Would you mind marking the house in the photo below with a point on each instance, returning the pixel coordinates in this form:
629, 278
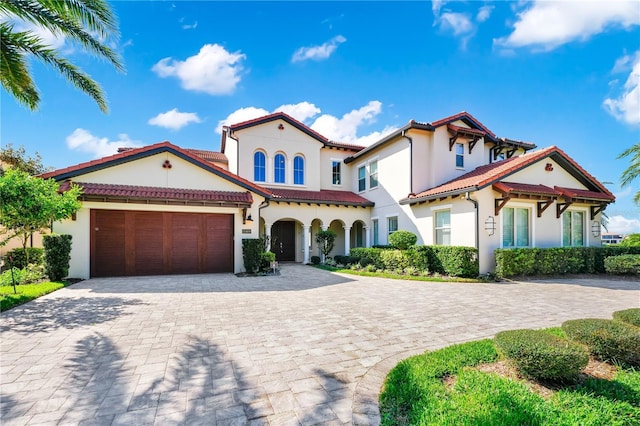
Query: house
164, 209
612, 238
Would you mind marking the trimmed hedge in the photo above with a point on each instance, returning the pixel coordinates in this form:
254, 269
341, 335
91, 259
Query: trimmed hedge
402, 240
541, 355
630, 316
448, 260
315, 260
607, 340
623, 264
19, 260
57, 255
558, 260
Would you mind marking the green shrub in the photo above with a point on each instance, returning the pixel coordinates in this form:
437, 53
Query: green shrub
630, 316
623, 264
371, 253
541, 355
402, 240
339, 259
19, 260
365, 261
394, 260
31, 274
252, 248
315, 260
57, 255
607, 340
266, 258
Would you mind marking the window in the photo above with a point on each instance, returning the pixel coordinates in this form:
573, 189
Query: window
443, 227
515, 227
573, 228
376, 239
392, 224
335, 170
278, 169
459, 155
298, 170
373, 174
259, 167
362, 179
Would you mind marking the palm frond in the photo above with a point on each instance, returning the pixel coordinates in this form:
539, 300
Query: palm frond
14, 70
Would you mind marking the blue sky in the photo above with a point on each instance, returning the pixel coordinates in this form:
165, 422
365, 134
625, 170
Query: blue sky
553, 73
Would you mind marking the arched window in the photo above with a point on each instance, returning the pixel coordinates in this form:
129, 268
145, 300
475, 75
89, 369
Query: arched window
298, 170
259, 167
279, 168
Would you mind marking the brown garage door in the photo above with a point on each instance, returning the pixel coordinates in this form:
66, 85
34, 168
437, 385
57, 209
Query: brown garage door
155, 243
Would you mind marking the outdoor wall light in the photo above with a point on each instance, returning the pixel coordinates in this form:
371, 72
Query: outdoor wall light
595, 228
490, 225
246, 219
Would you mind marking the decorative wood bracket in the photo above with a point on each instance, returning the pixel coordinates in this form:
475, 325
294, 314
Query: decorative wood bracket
543, 205
452, 141
497, 151
499, 203
511, 151
561, 208
473, 143
596, 209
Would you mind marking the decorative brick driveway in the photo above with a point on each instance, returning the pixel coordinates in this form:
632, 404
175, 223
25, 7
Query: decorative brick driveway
306, 347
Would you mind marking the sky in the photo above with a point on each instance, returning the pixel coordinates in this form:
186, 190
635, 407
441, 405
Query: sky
552, 73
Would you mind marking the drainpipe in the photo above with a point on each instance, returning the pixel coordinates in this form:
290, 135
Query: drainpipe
410, 160
262, 205
475, 204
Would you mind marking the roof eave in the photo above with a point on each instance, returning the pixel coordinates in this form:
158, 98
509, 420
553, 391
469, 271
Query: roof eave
418, 200
327, 202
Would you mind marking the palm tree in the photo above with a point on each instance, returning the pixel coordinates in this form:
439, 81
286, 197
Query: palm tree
633, 171
88, 23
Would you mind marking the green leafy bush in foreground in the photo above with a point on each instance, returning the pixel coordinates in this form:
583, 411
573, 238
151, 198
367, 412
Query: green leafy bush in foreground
542, 356
402, 240
607, 340
624, 264
630, 316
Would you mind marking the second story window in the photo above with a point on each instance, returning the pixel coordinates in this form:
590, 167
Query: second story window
259, 167
298, 170
362, 179
459, 155
335, 171
392, 224
373, 174
279, 168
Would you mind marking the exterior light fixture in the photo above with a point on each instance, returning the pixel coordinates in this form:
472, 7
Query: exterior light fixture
246, 219
490, 225
595, 228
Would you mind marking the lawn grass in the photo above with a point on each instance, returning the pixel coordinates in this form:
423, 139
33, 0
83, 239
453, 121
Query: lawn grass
441, 388
430, 278
26, 292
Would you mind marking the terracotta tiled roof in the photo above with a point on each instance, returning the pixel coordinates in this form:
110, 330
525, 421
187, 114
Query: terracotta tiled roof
165, 194
133, 154
348, 146
214, 156
467, 118
524, 188
584, 194
491, 173
324, 196
461, 129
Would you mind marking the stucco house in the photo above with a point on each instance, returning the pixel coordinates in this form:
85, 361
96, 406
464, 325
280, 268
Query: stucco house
164, 209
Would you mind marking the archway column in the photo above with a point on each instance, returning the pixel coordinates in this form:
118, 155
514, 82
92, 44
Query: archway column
305, 242
267, 233
367, 236
347, 240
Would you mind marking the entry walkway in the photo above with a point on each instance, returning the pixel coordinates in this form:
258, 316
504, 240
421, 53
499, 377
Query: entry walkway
306, 347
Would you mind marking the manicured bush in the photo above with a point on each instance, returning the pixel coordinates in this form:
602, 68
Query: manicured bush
19, 259
339, 259
629, 316
402, 240
541, 355
315, 260
554, 261
252, 249
371, 253
365, 261
57, 255
624, 264
394, 260
607, 340
266, 258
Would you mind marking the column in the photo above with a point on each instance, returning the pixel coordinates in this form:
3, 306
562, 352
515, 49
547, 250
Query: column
367, 236
324, 227
267, 233
305, 242
347, 240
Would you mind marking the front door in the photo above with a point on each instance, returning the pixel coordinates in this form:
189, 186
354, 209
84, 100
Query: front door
283, 240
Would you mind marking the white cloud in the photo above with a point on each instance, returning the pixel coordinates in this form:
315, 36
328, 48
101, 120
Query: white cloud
457, 23
301, 111
83, 140
240, 115
190, 26
548, 24
484, 13
622, 225
213, 70
436, 5
318, 53
174, 119
626, 107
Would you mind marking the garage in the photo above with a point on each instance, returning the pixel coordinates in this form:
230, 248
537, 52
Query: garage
125, 242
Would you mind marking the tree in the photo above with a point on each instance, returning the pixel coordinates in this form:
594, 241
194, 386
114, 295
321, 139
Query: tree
88, 23
29, 204
325, 240
632, 172
632, 240
17, 158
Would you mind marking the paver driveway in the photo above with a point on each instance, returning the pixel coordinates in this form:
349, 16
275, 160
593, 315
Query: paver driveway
306, 347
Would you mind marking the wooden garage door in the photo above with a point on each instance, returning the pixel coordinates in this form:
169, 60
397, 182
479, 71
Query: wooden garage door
154, 243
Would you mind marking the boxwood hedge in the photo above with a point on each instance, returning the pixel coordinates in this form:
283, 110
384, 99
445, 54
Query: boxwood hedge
630, 316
